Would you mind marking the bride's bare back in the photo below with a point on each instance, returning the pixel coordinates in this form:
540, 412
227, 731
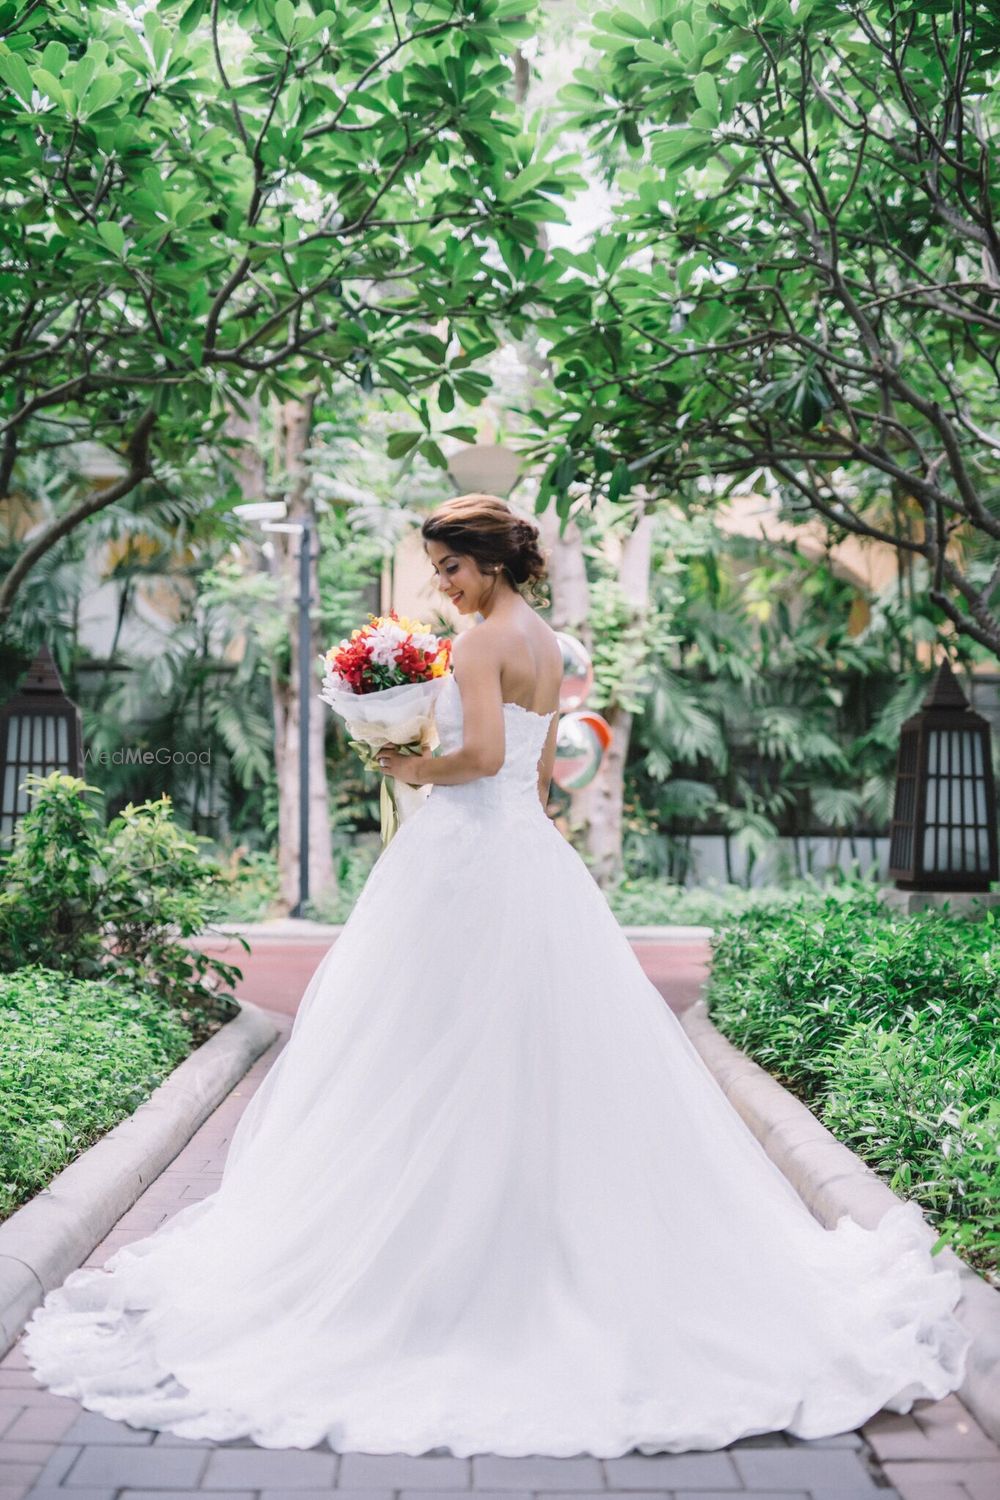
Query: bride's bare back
530, 659
515, 641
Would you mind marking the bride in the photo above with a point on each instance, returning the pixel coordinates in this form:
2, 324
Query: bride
489, 1199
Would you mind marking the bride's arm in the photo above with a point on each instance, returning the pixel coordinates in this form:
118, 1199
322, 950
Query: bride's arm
476, 665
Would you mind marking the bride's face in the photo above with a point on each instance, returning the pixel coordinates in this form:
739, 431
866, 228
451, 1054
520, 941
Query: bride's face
459, 576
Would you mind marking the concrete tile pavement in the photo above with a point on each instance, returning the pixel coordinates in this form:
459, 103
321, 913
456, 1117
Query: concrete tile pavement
52, 1449
937, 1452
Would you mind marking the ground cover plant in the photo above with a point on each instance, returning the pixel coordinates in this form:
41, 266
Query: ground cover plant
76, 1057
101, 995
888, 1028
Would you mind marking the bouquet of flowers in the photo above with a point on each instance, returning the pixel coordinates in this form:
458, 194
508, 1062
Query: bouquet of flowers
383, 683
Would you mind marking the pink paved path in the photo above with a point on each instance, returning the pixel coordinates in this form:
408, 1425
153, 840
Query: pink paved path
51, 1449
277, 971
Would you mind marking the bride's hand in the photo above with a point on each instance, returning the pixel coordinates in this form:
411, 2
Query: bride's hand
405, 767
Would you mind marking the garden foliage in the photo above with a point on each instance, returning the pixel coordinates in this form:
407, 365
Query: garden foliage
76, 1057
888, 1028
207, 204
116, 902
800, 277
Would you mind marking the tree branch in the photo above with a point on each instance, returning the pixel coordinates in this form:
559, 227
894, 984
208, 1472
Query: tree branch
137, 454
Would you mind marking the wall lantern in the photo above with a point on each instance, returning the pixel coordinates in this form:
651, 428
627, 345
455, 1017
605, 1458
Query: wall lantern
40, 731
943, 835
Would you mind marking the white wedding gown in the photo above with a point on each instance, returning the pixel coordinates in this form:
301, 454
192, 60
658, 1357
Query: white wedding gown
489, 1199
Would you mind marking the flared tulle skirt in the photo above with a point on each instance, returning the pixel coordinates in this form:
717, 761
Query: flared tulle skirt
489, 1199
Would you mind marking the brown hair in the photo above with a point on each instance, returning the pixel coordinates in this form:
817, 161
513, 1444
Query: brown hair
485, 528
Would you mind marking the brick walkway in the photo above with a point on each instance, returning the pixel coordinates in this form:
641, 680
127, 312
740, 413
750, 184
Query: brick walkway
51, 1449
277, 971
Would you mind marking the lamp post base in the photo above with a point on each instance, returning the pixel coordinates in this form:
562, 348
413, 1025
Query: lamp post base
969, 904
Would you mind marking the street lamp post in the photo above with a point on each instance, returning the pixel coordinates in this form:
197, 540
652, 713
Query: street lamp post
267, 513
305, 684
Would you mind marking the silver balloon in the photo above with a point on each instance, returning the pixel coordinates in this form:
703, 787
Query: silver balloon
578, 672
580, 745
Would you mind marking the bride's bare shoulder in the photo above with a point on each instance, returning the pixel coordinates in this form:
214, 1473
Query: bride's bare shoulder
477, 644
545, 637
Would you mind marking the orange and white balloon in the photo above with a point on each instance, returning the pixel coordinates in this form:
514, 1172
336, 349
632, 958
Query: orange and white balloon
578, 672
581, 740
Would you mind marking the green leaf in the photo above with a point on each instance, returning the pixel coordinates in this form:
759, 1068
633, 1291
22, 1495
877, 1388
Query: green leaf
433, 454
190, 18
674, 147
113, 236
620, 482
105, 87
46, 84
55, 57
657, 54
284, 14
564, 469
684, 40
707, 94
578, 93
525, 181
15, 75
399, 444
446, 396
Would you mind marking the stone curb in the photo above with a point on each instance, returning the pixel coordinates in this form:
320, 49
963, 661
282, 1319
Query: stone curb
832, 1180
299, 929
667, 934
55, 1232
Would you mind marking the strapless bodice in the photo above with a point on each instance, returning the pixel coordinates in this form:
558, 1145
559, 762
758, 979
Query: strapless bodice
516, 782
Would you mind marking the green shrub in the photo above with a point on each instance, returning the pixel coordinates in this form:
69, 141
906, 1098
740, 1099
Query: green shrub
249, 887
52, 881
789, 980
92, 901
888, 1027
76, 1057
650, 901
921, 1103
352, 865
158, 890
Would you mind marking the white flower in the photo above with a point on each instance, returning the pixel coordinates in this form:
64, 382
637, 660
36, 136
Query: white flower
384, 643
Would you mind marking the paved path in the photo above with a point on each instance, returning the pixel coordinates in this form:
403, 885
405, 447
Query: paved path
51, 1449
277, 971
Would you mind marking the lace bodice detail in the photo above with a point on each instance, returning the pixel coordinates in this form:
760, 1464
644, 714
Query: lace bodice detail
516, 782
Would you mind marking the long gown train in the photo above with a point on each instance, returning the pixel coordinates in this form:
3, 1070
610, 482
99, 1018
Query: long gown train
489, 1199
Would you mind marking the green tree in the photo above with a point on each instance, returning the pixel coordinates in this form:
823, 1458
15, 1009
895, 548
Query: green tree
803, 277
207, 203
772, 709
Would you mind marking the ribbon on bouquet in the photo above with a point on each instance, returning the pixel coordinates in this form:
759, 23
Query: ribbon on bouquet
388, 800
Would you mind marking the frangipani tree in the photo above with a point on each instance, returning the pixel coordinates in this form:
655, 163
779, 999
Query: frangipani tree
205, 203
802, 284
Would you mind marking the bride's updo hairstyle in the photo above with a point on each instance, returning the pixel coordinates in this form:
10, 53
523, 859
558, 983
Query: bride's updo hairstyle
485, 528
